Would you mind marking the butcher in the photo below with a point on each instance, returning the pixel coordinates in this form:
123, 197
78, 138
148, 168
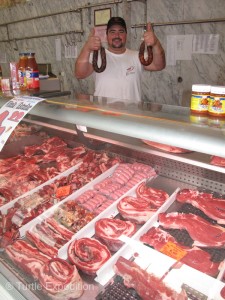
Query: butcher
117, 73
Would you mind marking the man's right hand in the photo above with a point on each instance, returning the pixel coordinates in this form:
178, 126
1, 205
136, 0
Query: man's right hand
94, 41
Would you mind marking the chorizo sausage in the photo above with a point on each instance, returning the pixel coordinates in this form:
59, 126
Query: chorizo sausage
95, 60
142, 59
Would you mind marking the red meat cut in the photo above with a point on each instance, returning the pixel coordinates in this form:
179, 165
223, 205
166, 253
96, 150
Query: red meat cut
88, 254
195, 257
60, 280
134, 209
213, 207
148, 286
201, 231
109, 230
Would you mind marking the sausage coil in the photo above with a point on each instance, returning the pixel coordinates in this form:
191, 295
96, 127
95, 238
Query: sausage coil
142, 59
95, 60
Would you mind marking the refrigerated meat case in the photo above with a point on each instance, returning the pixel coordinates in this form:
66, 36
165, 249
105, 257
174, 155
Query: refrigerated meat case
105, 124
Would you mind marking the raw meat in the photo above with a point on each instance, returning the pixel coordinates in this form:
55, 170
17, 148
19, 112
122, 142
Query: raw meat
137, 210
217, 161
154, 196
201, 231
195, 257
212, 207
60, 280
88, 254
166, 148
109, 230
27, 257
148, 286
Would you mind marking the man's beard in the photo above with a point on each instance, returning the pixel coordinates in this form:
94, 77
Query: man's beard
121, 45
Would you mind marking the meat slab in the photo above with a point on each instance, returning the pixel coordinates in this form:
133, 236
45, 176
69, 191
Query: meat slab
109, 230
148, 286
213, 207
88, 254
201, 231
60, 280
195, 257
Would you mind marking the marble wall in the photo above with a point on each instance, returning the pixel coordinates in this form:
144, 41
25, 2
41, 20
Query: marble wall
172, 85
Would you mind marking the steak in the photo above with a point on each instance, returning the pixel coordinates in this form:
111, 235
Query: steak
201, 231
195, 257
214, 208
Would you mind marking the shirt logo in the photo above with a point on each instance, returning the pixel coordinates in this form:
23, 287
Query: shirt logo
130, 70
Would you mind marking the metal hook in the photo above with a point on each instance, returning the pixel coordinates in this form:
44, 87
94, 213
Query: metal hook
135, 33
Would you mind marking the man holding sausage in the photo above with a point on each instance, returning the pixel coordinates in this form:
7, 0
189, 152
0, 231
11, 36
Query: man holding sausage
121, 78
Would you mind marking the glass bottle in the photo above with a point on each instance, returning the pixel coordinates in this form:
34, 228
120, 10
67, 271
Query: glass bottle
32, 72
22, 65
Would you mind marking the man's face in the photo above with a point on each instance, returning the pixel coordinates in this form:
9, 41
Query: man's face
116, 37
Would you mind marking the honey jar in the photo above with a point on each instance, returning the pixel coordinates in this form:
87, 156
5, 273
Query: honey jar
217, 101
200, 98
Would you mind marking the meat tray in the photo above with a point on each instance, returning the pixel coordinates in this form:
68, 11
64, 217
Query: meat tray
4, 208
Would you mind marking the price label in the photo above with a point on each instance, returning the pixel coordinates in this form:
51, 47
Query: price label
12, 113
173, 251
63, 191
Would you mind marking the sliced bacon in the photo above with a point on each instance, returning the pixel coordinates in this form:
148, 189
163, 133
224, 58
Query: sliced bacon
60, 280
148, 286
109, 230
195, 257
201, 231
88, 254
135, 209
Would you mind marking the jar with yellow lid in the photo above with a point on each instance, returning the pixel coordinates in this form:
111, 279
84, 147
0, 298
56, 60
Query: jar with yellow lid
200, 98
217, 101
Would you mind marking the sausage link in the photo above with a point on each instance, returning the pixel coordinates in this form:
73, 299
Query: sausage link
141, 54
95, 60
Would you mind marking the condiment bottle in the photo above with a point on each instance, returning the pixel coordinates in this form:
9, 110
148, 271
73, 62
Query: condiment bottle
32, 72
22, 65
200, 98
217, 101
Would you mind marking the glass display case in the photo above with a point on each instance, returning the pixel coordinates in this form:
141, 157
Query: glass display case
134, 133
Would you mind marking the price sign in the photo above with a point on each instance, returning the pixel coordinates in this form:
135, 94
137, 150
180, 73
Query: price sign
173, 251
12, 113
63, 191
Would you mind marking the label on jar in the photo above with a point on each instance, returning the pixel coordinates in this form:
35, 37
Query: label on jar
199, 102
32, 78
22, 78
217, 105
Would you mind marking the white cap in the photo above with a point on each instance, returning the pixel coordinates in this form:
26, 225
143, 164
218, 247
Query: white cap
217, 89
202, 88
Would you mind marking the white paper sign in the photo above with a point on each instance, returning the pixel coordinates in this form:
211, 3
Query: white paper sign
205, 43
179, 47
12, 113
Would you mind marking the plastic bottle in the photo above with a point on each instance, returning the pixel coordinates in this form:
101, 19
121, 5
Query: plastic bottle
200, 98
217, 101
32, 72
22, 71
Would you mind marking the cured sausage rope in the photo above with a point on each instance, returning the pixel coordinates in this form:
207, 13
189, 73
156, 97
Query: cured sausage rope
148, 61
95, 60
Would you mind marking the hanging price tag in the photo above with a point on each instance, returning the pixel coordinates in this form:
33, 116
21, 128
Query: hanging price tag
12, 113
